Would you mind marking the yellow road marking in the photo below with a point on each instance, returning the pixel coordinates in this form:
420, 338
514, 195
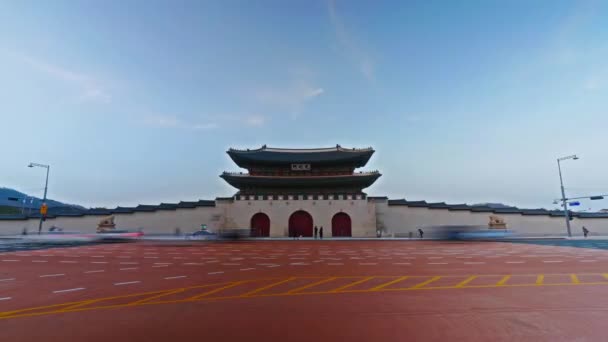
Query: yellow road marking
236, 283
342, 288
312, 285
540, 279
574, 279
504, 280
466, 281
417, 286
267, 287
381, 286
166, 293
84, 305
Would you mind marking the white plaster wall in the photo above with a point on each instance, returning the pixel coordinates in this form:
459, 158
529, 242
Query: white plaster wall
158, 222
400, 220
361, 212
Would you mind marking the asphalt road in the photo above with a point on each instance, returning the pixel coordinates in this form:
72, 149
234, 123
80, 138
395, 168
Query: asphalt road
305, 290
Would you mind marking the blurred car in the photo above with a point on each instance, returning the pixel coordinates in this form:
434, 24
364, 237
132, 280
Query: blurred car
201, 235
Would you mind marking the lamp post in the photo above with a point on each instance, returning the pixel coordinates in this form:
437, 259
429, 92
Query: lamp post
46, 186
561, 181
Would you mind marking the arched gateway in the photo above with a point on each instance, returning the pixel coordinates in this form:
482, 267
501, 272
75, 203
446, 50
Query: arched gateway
341, 225
322, 177
300, 224
260, 225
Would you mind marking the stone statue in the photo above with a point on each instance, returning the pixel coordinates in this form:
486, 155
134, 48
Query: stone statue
497, 222
106, 224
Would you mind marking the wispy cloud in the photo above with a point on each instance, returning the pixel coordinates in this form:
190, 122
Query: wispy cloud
90, 88
292, 96
255, 120
347, 42
171, 121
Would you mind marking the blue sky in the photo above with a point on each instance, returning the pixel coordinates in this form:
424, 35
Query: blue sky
465, 101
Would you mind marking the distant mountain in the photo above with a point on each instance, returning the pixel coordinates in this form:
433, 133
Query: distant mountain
13, 198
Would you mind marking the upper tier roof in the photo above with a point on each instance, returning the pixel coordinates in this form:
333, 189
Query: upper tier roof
318, 156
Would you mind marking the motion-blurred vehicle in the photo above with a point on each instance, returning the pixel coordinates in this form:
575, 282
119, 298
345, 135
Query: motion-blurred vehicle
201, 235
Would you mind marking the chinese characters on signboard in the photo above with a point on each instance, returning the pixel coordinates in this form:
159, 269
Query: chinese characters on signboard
300, 167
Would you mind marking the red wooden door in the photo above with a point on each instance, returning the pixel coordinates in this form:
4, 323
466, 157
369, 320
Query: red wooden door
300, 224
341, 225
260, 225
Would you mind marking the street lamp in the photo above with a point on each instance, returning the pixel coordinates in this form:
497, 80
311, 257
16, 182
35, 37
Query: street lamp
46, 185
573, 157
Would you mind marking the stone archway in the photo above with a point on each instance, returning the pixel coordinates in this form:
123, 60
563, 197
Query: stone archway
300, 224
260, 225
341, 225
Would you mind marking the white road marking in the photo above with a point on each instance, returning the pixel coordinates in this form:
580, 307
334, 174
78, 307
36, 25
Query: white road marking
69, 290
127, 283
40, 261
160, 266
464, 257
68, 262
216, 272
437, 263
7, 279
98, 256
99, 262
94, 271
474, 262
9, 260
587, 261
5, 298
552, 261
163, 263
176, 277
401, 263
128, 268
52, 275
299, 263
194, 263
247, 269
150, 257
129, 263
231, 264
334, 263
515, 262
367, 263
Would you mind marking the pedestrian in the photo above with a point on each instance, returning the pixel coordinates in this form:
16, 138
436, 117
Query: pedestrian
316, 232
420, 232
585, 231
321, 233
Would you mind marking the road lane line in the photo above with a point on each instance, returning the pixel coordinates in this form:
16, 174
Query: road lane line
10, 260
40, 261
540, 279
70, 290
574, 279
218, 272
381, 286
515, 262
127, 283
424, 283
7, 279
260, 289
216, 290
367, 263
361, 281
504, 280
52, 275
323, 281
5, 298
247, 269
94, 271
438, 263
474, 262
175, 277
99, 262
466, 281
551, 261
160, 266
128, 268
